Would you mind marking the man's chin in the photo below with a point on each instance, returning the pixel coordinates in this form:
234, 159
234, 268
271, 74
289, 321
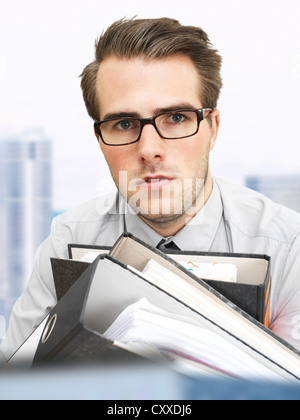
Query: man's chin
161, 220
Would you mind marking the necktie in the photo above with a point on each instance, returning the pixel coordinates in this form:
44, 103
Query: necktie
165, 246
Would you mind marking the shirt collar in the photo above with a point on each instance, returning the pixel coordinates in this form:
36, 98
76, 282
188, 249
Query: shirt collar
197, 235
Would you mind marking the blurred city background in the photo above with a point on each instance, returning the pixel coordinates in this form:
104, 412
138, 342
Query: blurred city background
49, 158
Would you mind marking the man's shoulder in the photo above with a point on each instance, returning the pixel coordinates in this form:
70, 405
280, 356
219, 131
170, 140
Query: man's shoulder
256, 215
102, 208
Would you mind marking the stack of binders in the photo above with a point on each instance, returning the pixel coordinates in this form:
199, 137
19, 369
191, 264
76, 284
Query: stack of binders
93, 295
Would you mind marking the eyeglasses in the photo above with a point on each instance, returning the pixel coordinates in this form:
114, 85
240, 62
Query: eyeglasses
169, 125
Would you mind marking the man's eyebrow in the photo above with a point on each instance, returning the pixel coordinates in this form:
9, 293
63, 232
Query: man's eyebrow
174, 108
116, 115
157, 111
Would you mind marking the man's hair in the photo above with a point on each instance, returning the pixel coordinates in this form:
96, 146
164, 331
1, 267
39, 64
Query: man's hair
155, 39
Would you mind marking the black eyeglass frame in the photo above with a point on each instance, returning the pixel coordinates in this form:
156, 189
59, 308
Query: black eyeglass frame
151, 121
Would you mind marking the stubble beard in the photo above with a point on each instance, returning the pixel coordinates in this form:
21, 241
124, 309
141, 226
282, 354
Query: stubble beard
168, 207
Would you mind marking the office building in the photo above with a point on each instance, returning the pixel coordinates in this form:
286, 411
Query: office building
25, 209
283, 189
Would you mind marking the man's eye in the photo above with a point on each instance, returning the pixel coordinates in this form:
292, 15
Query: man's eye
124, 125
177, 118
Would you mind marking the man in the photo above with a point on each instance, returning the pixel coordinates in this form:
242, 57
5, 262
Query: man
152, 92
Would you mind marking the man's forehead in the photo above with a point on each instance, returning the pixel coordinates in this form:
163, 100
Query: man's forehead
123, 85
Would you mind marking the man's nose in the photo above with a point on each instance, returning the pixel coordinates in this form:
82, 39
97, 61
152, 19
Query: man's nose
151, 145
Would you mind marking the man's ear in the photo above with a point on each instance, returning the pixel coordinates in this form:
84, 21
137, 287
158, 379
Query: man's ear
215, 121
97, 137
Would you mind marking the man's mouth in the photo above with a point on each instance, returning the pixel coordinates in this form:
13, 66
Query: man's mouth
154, 182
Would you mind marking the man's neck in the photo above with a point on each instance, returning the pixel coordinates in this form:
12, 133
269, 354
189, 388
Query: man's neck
173, 226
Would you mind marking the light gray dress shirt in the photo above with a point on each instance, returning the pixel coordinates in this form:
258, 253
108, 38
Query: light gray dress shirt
234, 219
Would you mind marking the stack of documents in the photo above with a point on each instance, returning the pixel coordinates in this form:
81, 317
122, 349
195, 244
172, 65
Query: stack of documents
137, 301
147, 330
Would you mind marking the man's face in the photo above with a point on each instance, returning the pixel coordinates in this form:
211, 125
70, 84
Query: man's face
161, 179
